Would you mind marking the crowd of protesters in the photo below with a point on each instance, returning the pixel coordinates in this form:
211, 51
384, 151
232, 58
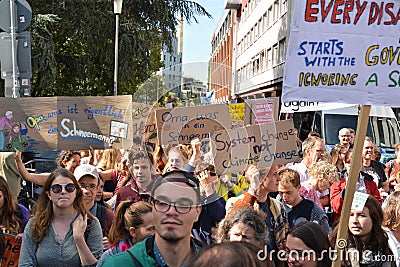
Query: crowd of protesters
169, 207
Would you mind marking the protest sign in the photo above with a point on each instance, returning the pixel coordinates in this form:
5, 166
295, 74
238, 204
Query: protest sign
236, 111
262, 145
53, 123
181, 125
11, 254
261, 110
344, 51
144, 122
305, 106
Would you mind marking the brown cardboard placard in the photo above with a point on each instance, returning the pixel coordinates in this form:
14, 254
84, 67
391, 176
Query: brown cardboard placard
181, 125
52, 123
263, 145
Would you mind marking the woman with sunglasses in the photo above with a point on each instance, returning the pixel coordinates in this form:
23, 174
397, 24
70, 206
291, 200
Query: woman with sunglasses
132, 223
61, 232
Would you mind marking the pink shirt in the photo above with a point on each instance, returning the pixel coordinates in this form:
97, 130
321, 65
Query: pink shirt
309, 192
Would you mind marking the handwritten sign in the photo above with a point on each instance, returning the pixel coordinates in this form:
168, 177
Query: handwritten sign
144, 122
51, 123
181, 125
263, 145
11, 254
262, 110
344, 51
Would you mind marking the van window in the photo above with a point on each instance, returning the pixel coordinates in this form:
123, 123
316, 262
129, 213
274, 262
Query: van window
317, 123
385, 132
334, 122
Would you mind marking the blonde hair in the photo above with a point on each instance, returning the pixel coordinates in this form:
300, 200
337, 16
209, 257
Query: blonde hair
109, 159
323, 170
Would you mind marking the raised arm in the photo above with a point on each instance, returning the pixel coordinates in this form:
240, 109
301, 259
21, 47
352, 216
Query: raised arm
39, 179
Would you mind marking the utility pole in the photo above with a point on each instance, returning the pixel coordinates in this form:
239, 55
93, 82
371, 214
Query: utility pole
15, 45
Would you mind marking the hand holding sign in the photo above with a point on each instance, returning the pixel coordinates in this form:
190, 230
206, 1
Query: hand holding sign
253, 176
207, 179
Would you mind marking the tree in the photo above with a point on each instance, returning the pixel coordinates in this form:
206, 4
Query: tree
73, 43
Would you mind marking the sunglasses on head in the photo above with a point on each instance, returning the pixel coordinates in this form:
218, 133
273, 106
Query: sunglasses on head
57, 188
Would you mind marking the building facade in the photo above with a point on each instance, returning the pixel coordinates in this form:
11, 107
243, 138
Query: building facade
260, 30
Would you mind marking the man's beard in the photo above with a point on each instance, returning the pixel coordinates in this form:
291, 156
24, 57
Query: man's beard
170, 237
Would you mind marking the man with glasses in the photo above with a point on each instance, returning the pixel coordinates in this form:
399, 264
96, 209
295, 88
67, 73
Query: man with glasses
176, 206
88, 178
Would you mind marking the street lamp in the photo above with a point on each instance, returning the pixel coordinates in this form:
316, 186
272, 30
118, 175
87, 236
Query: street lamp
117, 12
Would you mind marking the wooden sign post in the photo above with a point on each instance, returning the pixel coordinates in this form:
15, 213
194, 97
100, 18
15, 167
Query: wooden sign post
352, 181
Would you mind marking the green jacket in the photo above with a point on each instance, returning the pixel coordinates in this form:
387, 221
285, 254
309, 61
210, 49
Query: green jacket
143, 252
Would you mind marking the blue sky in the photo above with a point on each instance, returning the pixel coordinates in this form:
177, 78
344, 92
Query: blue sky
197, 37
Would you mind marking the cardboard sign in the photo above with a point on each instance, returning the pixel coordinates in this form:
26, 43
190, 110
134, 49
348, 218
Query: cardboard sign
13, 249
181, 125
144, 122
264, 145
262, 110
347, 53
54, 123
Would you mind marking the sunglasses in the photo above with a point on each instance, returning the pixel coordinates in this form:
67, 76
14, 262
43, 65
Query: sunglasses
57, 188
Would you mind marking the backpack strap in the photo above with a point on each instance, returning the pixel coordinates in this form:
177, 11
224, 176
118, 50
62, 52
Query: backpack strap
101, 216
135, 261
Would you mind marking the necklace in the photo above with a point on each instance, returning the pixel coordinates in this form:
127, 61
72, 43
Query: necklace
59, 237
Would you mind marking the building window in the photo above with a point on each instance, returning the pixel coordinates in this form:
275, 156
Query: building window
270, 17
275, 55
269, 59
276, 10
282, 50
284, 4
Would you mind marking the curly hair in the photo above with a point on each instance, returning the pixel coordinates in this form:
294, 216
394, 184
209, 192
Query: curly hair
43, 209
248, 216
128, 214
391, 218
66, 156
8, 219
323, 170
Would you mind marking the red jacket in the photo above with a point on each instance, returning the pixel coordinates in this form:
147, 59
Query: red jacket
337, 199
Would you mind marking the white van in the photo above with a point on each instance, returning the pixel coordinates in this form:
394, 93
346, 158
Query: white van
383, 126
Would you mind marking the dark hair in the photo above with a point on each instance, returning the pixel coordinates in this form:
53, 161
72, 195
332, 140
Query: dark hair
9, 220
2, 245
66, 155
188, 179
378, 240
139, 154
314, 237
128, 214
228, 254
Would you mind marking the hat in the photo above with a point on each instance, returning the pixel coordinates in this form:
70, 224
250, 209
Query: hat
8, 113
86, 169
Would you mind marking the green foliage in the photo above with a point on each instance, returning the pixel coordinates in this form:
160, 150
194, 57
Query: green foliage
73, 43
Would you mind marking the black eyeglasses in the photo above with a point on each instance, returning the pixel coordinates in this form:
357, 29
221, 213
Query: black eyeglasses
57, 188
182, 206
